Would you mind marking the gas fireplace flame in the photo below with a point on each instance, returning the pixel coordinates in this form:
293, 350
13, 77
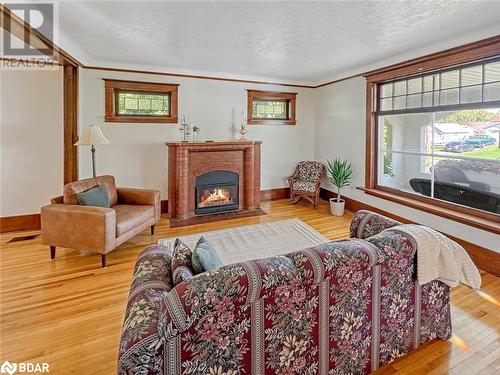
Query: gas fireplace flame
218, 195
215, 197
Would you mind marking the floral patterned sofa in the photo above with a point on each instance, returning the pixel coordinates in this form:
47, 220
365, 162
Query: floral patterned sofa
337, 308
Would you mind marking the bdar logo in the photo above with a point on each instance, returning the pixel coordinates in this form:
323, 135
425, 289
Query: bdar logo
8, 368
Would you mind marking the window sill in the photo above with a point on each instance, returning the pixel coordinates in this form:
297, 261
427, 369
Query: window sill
140, 119
271, 122
492, 225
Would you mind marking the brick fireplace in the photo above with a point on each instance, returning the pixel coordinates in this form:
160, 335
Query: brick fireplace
210, 181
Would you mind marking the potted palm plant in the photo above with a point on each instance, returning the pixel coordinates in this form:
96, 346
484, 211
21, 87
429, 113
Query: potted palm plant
339, 174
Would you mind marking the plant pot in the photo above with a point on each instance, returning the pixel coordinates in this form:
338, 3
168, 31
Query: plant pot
337, 207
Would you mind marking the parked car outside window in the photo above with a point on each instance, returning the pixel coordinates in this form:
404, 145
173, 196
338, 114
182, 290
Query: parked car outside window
480, 141
457, 146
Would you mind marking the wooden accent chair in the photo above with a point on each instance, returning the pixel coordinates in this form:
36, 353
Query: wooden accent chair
306, 180
65, 223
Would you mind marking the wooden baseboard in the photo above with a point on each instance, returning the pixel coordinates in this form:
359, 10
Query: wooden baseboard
485, 259
273, 194
32, 221
20, 222
164, 206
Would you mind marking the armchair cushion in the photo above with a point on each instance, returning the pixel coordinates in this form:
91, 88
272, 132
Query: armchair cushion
310, 170
129, 217
70, 190
97, 196
304, 186
135, 196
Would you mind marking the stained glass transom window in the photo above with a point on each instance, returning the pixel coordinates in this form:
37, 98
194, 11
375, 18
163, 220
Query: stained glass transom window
130, 103
273, 109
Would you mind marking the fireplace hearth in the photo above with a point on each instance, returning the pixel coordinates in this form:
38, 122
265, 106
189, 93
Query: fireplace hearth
216, 191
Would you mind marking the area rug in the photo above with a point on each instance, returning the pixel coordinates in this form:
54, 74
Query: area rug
256, 241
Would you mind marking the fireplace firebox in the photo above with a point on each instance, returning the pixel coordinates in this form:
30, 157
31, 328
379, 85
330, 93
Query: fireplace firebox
216, 191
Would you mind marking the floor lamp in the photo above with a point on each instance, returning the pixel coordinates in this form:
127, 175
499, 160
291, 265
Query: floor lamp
92, 135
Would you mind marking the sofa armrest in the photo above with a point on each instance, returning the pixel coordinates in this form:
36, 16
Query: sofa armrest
365, 224
79, 227
146, 322
141, 196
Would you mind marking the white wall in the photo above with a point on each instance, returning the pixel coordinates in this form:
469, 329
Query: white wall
137, 155
331, 122
31, 140
340, 132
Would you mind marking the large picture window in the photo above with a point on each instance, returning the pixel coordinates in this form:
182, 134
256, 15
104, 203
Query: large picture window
434, 140
438, 135
452, 156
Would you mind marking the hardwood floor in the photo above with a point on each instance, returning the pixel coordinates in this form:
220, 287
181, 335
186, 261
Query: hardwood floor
68, 312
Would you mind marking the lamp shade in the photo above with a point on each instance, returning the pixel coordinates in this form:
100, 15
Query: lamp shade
92, 135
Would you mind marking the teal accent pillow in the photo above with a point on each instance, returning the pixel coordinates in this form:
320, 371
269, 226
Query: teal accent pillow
204, 257
97, 196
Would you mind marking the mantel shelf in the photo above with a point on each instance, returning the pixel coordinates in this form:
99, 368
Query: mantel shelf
212, 143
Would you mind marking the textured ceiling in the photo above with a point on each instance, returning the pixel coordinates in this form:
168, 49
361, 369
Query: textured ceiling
288, 41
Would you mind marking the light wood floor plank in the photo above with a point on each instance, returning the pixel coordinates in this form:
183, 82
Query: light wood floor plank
69, 311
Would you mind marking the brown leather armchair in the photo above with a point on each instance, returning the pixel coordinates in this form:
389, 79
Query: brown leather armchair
98, 229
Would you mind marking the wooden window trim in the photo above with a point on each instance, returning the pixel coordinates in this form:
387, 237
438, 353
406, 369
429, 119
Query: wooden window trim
484, 49
453, 213
70, 113
111, 86
270, 95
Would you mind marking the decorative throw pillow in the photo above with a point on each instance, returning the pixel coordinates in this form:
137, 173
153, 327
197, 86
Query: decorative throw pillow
97, 196
205, 257
181, 262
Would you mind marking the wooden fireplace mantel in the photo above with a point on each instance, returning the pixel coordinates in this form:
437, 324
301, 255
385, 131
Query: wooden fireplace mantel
213, 143
187, 160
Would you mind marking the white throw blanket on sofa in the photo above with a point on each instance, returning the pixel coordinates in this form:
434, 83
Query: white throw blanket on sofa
439, 258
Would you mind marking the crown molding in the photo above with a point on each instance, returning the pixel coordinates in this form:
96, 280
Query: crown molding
196, 76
